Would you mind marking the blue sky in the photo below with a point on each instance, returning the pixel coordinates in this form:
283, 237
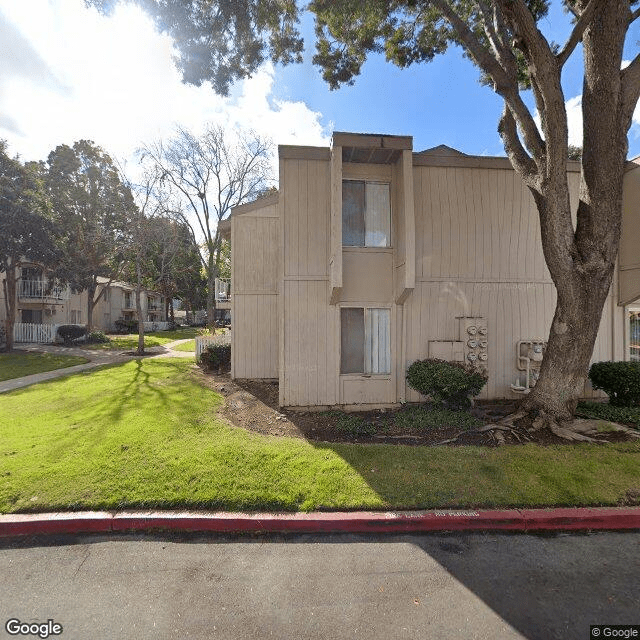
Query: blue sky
68, 73
440, 102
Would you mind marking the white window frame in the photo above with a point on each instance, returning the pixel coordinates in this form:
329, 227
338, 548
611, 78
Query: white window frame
368, 226
368, 347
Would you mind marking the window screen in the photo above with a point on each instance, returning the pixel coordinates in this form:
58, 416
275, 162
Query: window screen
352, 340
377, 218
366, 214
353, 213
365, 341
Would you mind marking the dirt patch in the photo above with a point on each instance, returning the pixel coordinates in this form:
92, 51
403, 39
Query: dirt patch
253, 405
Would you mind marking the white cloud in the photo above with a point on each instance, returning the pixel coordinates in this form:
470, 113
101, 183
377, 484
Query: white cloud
112, 80
574, 120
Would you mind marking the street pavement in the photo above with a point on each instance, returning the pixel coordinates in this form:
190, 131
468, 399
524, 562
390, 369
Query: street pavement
465, 585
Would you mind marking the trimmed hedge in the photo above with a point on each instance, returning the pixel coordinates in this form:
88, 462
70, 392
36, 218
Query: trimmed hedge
452, 384
125, 326
97, 337
619, 380
69, 333
216, 357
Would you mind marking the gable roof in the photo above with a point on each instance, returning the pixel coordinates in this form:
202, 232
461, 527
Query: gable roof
441, 150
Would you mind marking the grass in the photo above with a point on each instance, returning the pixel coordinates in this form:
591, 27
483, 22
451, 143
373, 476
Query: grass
604, 411
186, 346
433, 417
151, 339
151, 438
17, 365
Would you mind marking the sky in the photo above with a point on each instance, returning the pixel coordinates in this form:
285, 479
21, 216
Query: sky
68, 73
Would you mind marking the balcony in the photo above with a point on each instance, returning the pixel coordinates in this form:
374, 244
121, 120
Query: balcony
42, 291
223, 293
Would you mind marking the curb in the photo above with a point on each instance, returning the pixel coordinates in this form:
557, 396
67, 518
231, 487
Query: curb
522, 520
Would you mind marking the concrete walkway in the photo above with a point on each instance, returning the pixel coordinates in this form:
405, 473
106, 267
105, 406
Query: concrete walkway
96, 357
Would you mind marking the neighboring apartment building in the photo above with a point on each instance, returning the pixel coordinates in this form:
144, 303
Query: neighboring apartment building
371, 257
42, 301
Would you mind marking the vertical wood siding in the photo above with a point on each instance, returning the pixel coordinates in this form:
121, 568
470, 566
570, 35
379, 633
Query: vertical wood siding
478, 253
311, 325
254, 289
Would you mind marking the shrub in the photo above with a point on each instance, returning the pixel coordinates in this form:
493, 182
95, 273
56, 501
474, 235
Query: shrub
619, 380
97, 337
627, 415
125, 325
216, 357
449, 383
69, 333
433, 417
354, 425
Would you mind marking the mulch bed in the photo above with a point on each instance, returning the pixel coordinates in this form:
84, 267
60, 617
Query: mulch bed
253, 405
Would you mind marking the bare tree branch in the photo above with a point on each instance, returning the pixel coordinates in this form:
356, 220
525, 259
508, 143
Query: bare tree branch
505, 84
521, 160
576, 35
630, 80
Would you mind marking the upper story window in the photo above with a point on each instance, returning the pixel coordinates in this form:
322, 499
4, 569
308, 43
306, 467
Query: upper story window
366, 214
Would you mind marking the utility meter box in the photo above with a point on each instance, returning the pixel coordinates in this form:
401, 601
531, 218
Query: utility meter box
474, 338
449, 350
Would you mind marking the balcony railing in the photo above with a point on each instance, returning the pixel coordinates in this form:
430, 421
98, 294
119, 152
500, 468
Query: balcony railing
42, 290
223, 289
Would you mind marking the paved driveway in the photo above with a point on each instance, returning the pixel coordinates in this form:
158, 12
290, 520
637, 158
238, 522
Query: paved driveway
468, 586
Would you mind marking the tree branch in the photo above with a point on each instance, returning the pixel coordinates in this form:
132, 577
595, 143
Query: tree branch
506, 85
634, 16
576, 35
521, 160
630, 80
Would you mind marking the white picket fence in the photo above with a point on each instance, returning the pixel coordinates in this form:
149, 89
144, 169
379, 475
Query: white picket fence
39, 333
202, 342
156, 326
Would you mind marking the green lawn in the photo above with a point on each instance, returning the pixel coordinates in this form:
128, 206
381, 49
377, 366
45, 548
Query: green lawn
151, 339
186, 346
19, 364
146, 434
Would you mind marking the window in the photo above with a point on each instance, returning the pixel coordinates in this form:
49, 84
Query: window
365, 341
75, 317
32, 316
366, 214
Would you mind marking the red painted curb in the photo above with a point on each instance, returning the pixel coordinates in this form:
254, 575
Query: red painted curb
584, 518
324, 522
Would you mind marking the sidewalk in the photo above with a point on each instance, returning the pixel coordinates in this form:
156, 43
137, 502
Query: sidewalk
96, 357
354, 522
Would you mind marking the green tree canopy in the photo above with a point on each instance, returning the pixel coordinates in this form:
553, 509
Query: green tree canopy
95, 210
28, 234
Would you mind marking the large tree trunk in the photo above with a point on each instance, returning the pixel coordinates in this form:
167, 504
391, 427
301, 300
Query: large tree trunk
10, 286
91, 303
211, 296
140, 350
570, 345
582, 261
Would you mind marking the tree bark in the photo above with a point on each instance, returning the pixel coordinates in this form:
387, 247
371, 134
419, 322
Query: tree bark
91, 290
569, 348
211, 297
140, 349
10, 286
581, 260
